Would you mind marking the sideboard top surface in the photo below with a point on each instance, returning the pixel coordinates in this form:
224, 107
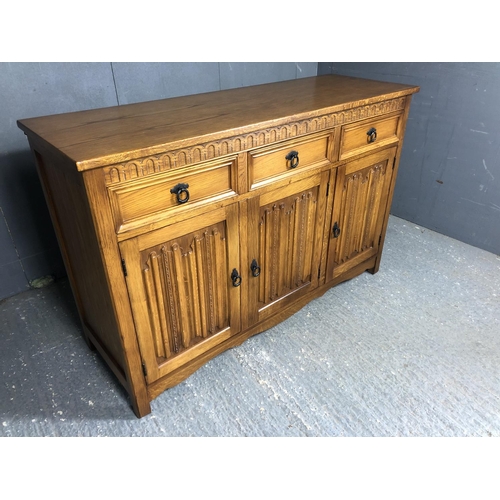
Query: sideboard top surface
98, 137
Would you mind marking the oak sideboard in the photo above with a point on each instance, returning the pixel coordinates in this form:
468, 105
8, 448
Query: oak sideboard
188, 224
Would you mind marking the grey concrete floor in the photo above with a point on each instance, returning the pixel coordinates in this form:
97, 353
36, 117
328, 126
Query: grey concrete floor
411, 351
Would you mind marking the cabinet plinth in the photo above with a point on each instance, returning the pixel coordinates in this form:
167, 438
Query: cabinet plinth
188, 224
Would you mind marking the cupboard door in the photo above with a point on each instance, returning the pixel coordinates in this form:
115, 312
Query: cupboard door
183, 288
359, 211
284, 238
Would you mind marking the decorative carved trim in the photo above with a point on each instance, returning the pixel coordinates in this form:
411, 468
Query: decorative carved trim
361, 189
142, 167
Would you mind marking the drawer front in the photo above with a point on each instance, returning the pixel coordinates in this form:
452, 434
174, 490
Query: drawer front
367, 135
142, 202
267, 164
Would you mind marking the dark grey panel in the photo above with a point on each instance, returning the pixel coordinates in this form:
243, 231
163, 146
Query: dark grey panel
7, 250
243, 74
24, 204
48, 262
306, 69
139, 82
35, 89
12, 279
449, 178
324, 68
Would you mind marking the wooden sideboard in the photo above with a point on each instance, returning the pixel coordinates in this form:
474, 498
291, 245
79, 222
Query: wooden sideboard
189, 224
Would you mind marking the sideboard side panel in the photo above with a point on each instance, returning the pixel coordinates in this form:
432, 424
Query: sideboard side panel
114, 276
72, 219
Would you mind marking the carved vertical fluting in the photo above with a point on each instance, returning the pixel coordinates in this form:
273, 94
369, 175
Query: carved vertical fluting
262, 260
274, 252
351, 224
221, 270
282, 248
370, 210
194, 290
308, 236
153, 309
381, 171
201, 288
170, 286
182, 294
210, 281
220, 278
301, 239
158, 301
267, 255
368, 213
360, 213
360, 206
296, 247
290, 245
192, 306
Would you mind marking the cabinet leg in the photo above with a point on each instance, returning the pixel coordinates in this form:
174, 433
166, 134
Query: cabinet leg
89, 343
375, 268
141, 408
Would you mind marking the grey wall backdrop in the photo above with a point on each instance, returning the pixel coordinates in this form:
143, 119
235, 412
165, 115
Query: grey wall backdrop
28, 246
450, 167
449, 177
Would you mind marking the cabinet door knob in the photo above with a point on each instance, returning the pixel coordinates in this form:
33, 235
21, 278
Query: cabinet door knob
236, 278
293, 158
336, 230
372, 135
254, 267
182, 193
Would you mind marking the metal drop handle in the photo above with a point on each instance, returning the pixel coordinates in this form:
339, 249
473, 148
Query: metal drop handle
182, 193
254, 267
236, 278
372, 135
293, 158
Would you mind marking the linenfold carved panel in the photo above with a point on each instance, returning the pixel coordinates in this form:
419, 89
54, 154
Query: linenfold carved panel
286, 230
186, 288
142, 167
362, 196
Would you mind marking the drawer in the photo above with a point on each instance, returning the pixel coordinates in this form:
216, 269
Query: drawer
358, 137
267, 164
146, 201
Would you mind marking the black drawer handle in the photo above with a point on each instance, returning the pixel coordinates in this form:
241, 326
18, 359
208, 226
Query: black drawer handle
336, 230
182, 193
293, 158
254, 267
372, 135
236, 278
